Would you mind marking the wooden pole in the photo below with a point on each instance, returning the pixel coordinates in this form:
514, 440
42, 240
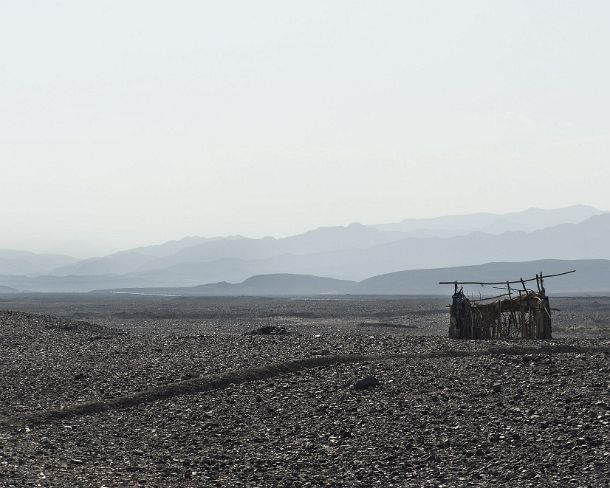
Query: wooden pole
500, 282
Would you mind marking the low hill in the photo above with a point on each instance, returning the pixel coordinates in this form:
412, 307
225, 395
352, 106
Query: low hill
592, 276
273, 284
6, 290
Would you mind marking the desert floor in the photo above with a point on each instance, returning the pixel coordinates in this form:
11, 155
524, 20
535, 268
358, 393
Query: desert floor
100, 390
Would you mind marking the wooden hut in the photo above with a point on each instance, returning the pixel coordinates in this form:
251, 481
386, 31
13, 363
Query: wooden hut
518, 313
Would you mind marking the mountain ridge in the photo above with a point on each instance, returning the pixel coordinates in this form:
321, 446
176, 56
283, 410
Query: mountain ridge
321, 239
354, 252
592, 276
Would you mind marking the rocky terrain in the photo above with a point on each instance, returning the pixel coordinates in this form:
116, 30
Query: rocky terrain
176, 393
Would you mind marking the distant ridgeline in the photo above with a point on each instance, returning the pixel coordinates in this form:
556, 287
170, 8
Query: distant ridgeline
364, 259
593, 277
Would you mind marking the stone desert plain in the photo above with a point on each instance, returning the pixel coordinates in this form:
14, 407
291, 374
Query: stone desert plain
123, 390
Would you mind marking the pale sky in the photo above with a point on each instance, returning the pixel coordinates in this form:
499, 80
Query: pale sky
134, 122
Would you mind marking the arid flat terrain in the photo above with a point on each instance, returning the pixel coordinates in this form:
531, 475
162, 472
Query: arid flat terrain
126, 390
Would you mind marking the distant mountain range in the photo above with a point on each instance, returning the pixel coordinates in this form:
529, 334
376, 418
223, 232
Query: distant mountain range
351, 253
525, 221
592, 276
24, 262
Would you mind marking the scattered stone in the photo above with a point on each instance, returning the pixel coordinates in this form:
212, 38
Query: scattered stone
365, 383
269, 330
435, 422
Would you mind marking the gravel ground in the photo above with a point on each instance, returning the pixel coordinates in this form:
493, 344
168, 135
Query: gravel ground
493, 415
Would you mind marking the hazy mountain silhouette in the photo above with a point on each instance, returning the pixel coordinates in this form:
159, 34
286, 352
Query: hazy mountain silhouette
348, 242
130, 260
354, 252
592, 276
69, 284
524, 221
590, 239
199, 250
587, 240
273, 284
24, 262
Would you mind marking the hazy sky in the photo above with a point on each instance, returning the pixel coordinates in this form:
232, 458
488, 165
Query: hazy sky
129, 122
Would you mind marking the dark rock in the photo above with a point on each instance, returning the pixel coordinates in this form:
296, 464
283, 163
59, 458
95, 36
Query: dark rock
366, 382
268, 330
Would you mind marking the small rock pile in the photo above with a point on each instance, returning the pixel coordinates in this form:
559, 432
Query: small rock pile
268, 330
